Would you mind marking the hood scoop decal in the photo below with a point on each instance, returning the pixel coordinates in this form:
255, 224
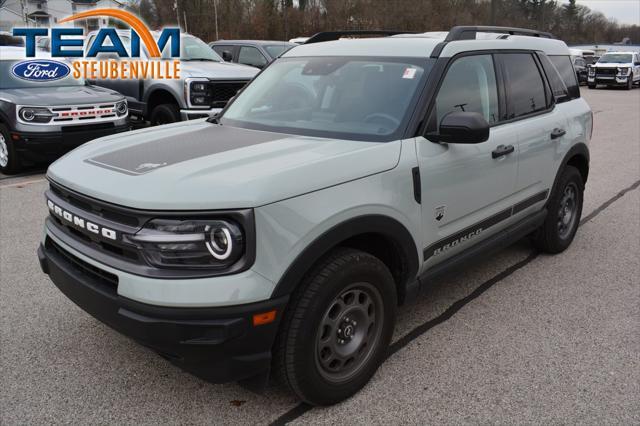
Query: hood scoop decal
146, 157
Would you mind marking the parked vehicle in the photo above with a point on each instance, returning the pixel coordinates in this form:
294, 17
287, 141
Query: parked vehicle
580, 65
41, 121
255, 53
615, 69
299, 40
206, 85
342, 179
7, 39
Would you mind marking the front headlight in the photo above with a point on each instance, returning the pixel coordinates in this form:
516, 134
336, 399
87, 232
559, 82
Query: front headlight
197, 92
35, 115
592, 72
623, 71
199, 244
121, 108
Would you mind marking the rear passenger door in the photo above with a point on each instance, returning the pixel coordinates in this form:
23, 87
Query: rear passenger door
467, 191
540, 127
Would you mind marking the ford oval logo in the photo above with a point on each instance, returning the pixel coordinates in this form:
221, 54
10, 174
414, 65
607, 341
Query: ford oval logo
40, 70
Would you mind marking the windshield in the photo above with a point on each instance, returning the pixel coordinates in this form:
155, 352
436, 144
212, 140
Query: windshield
9, 81
337, 97
194, 49
615, 58
276, 50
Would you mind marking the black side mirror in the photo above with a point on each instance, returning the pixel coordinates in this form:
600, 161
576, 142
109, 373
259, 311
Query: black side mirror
227, 56
463, 127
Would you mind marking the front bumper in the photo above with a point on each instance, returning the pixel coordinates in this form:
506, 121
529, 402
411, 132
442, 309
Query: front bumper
193, 114
610, 81
218, 344
43, 146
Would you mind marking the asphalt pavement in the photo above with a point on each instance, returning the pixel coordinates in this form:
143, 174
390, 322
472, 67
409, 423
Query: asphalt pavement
519, 338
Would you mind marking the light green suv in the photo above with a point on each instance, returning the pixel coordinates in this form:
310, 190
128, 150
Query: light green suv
280, 237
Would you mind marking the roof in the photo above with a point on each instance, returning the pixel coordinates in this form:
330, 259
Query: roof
253, 42
423, 45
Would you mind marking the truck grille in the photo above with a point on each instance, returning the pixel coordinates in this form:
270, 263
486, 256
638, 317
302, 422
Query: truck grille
606, 72
222, 91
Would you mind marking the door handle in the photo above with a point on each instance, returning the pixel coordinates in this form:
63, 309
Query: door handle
502, 150
557, 132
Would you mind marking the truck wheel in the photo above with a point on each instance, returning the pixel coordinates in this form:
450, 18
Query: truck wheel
164, 114
9, 161
629, 85
337, 329
592, 86
564, 211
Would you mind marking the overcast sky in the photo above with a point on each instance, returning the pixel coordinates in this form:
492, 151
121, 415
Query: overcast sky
624, 11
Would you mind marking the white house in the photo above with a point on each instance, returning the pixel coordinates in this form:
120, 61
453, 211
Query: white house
47, 13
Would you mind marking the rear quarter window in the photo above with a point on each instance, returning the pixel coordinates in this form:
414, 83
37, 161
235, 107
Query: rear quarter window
565, 68
558, 88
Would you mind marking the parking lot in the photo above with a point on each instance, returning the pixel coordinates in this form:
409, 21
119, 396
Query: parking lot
516, 338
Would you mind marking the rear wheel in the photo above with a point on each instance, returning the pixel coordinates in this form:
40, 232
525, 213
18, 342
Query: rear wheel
164, 114
337, 329
564, 211
9, 161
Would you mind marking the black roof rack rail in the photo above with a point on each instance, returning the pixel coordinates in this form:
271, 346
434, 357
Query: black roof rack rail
336, 35
469, 32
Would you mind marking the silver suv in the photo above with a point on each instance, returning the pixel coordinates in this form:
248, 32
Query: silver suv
280, 237
41, 121
206, 85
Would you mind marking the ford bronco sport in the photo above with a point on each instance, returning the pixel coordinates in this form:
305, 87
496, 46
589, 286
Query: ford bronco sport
280, 237
41, 121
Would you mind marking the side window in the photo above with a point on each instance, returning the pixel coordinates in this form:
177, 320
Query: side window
525, 87
220, 51
568, 74
469, 85
558, 88
251, 56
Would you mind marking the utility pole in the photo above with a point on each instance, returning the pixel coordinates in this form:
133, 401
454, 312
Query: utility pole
24, 12
175, 6
215, 12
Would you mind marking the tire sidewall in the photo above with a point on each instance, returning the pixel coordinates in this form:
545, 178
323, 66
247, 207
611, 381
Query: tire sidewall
555, 243
169, 113
313, 387
13, 165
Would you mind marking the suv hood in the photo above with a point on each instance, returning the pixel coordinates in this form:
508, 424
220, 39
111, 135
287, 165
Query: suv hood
63, 95
612, 65
203, 166
216, 70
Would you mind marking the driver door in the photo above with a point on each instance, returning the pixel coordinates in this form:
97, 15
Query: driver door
467, 189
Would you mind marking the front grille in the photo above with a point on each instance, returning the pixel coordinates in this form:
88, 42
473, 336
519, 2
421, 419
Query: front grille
87, 127
609, 72
105, 279
99, 209
222, 91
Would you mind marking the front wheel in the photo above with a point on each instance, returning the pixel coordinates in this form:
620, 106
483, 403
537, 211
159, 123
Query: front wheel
629, 85
591, 86
564, 210
164, 114
9, 160
337, 329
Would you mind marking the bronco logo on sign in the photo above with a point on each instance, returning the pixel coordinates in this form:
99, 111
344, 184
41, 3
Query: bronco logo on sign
42, 70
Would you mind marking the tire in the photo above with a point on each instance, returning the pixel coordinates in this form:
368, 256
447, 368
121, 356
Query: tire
564, 212
9, 160
592, 86
325, 352
629, 85
164, 114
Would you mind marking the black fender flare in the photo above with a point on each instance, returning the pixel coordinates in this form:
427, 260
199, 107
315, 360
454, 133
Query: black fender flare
368, 224
577, 150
